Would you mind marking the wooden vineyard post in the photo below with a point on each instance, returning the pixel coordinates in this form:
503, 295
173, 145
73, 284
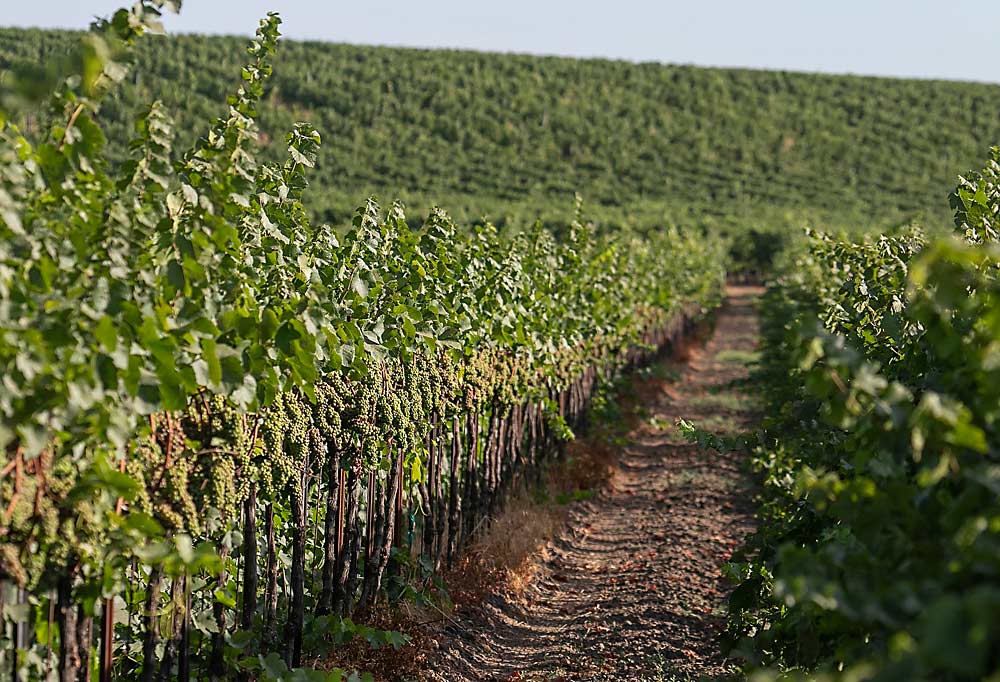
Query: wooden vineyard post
333, 528
296, 614
271, 586
454, 499
152, 626
107, 639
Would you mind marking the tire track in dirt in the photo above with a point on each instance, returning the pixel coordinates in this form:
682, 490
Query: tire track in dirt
631, 589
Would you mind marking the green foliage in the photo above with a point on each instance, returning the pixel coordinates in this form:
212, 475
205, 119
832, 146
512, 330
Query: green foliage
878, 555
976, 201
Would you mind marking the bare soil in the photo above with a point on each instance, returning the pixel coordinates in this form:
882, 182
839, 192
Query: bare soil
631, 588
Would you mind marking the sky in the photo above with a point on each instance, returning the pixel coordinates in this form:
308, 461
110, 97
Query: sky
908, 38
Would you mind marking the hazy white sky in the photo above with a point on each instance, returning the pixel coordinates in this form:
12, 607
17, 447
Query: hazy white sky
947, 39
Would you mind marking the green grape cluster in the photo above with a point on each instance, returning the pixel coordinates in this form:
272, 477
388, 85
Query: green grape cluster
363, 422
284, 436
330, 411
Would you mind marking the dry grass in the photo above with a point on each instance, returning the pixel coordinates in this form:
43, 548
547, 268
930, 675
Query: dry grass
500, 558
503, 552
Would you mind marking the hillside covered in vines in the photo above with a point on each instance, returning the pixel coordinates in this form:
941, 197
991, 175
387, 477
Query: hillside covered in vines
513, 137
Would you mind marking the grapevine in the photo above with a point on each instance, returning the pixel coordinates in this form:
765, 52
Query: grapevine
228, 417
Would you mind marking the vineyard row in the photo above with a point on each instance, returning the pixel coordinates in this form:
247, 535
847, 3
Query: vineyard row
224, 430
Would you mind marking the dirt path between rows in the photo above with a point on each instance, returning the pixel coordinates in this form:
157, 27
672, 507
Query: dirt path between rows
631, 589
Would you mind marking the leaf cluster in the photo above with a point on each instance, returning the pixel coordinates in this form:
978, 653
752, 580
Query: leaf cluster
878, 557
